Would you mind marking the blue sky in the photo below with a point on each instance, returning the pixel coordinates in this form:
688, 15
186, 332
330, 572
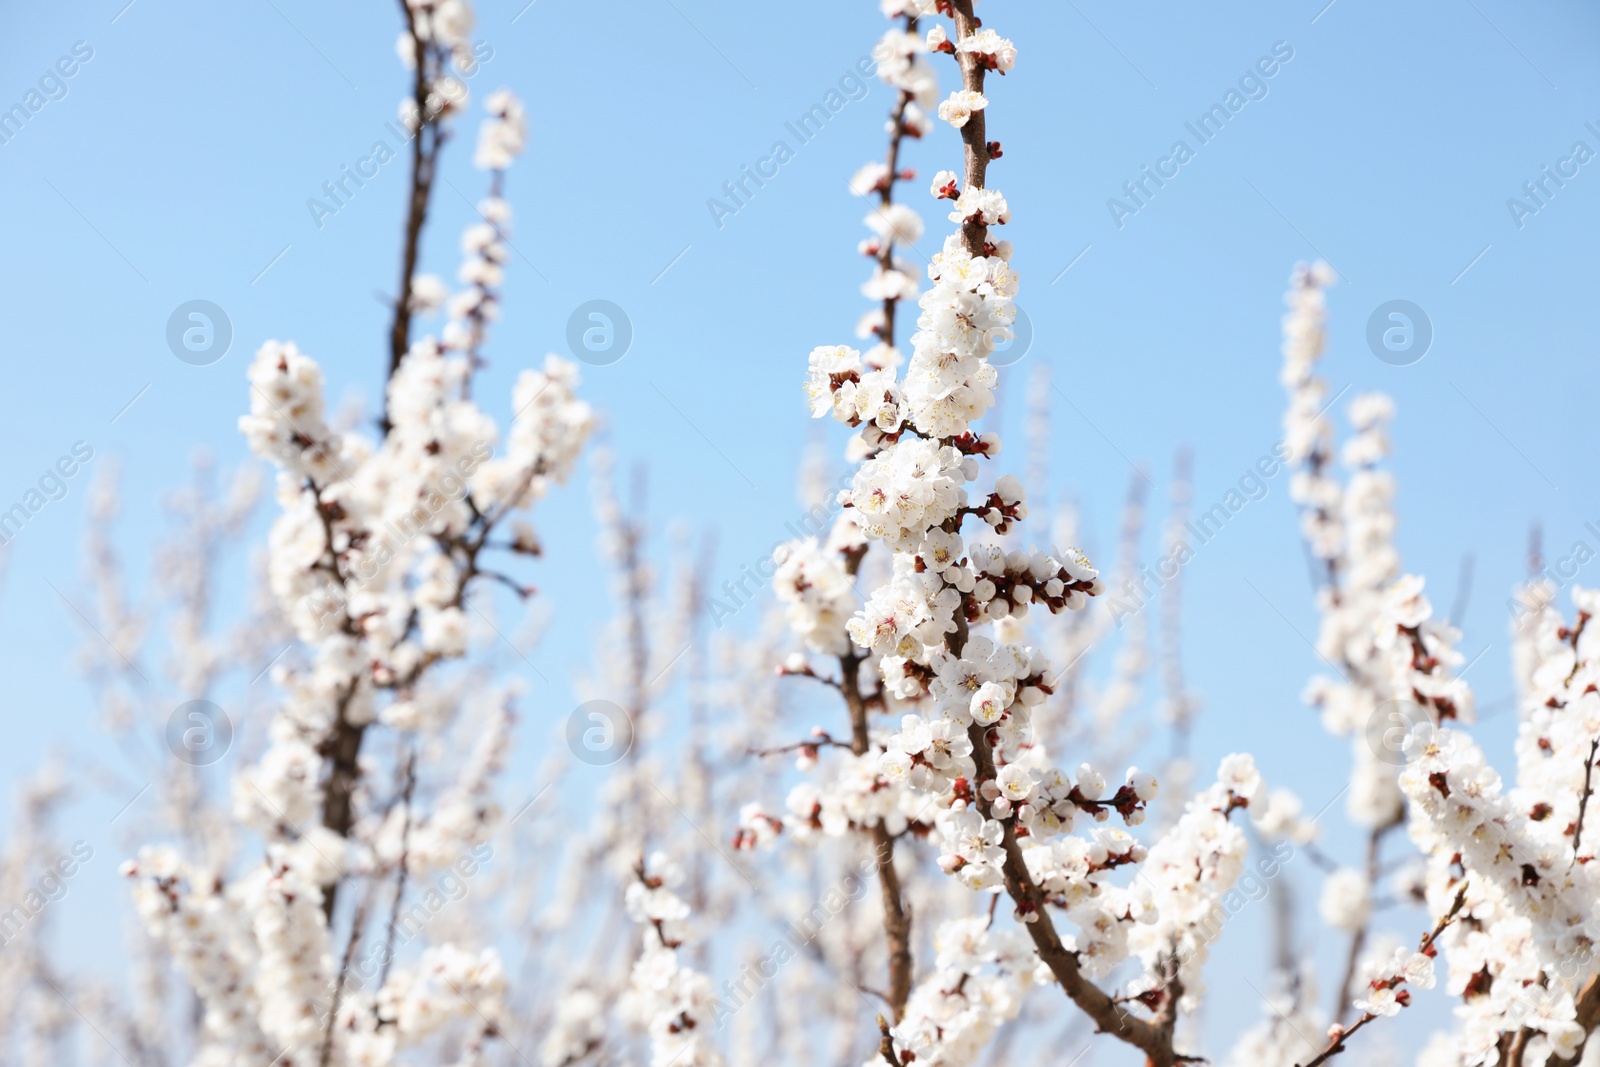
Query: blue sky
179, 161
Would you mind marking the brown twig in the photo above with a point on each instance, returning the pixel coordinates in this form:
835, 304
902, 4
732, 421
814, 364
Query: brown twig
1519, 1046
886, 1043
338, 990
1583, 803
1358, 939
403, 865
425, 145
1336, 1045
1153, 1038
1340, 1034
343, 749
896, 913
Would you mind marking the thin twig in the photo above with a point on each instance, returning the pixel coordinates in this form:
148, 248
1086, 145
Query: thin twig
356, 925
1588, 791
403, 865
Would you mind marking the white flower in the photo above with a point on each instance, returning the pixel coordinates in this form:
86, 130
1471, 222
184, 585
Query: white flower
987, 205
910, 487
1346, 900
989, 703
869, 179
1238, 773
1015, 781
897, 223
503, 136
894, 765
957, 108
428, 293
996, 52
835, 371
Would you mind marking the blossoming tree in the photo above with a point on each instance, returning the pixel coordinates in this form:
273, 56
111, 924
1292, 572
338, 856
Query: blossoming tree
949, 875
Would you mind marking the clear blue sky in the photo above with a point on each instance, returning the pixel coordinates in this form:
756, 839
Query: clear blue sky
179, 161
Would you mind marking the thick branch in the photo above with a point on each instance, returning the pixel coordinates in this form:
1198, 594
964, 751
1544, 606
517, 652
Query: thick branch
1154, 1039
973, 133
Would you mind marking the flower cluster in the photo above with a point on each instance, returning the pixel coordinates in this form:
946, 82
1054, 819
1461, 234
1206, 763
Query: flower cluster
957, 108
671, 1002
980, 978
1188, 872
436, 44
502, 139
906, 491
1384, 983
841, 385
1524, 899
372, 563
814, 585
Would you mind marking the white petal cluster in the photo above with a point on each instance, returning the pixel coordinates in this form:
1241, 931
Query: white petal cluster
673, 1003
902, 63
1384, 982
907, 490
1422, 653
504, 136
1346, 900
286, 422
1189, 871
1304, 341
910, 613
578, 1028
546, 437
978, 983
446, 985
957, 108
858, 795
1518, 961
992, 50
817, 594
444, 22
296, 956
205, 930
843, 386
